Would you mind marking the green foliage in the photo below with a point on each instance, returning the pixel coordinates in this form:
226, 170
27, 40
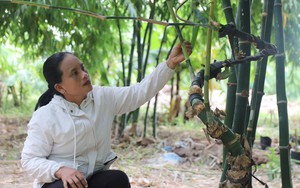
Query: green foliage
38, 32
273, 166
292, 31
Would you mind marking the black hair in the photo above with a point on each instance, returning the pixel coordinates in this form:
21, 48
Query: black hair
52, 74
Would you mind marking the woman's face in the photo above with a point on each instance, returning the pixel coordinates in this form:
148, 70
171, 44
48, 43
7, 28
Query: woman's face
75, 80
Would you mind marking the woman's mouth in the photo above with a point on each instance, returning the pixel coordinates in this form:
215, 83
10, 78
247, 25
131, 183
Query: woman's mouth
88, 82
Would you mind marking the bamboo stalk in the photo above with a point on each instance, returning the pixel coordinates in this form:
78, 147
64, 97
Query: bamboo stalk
150, 28
154, 120
231, 89
281, 98
242, 92
139, 69
258, 86
207, 65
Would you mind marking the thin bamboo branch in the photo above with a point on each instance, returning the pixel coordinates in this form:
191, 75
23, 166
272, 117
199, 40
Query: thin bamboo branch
98, 16
187, 59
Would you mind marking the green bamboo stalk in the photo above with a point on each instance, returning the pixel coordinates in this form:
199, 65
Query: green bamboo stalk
140, 70
195, 28
281, 98
231, 90
122, 53
154, 119
124, 116
145, 119
259, 80
243, 76
131, 53
207, 64
149, 27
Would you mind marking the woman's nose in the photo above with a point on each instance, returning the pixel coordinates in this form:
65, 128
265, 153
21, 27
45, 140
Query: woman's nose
85, 74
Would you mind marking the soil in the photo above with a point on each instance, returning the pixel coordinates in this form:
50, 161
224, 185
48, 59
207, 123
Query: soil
180, 157
148, 162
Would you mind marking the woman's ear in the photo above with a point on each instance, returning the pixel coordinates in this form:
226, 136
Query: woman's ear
59, 88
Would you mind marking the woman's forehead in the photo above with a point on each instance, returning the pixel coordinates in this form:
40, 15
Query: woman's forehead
70, 61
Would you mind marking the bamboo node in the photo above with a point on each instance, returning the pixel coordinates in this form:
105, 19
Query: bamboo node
288, 147
280, 55
261, 92
244, 42
228, 7
237, 137
282, 102
244, 93
195, 89
215, 130
231, 84
219, 113
199, 107
238, 172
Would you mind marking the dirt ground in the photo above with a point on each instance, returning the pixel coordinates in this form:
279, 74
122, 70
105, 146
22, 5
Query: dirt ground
179, 157
148, 163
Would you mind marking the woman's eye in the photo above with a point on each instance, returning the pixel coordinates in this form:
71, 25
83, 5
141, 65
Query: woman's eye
74, 73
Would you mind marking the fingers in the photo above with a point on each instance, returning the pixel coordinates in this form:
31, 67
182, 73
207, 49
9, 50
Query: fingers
177, 55
71, 177
82, 180
188, 47
65, 183
76, 181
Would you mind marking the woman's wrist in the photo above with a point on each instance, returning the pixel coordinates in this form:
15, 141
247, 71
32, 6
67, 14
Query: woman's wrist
171, 64
57, 174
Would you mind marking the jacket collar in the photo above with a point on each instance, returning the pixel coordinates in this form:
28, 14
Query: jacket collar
70, 107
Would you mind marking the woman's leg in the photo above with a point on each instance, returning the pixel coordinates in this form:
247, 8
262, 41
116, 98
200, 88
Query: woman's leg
56, 184
109, 179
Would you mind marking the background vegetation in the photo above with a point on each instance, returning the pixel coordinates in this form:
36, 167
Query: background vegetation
120, 50
30, 34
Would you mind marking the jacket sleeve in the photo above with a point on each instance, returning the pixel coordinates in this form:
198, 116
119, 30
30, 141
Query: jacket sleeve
37, 147
127, 99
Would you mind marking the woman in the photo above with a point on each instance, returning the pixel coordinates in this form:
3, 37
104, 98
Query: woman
69, 134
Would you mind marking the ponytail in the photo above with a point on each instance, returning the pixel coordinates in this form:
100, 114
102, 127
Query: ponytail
44, 99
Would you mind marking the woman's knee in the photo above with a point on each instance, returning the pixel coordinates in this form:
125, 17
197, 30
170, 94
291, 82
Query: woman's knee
110, 179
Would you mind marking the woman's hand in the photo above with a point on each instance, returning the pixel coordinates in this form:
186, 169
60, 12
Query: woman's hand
177, 55
72, 177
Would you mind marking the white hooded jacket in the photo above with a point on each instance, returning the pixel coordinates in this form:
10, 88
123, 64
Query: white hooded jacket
62, 133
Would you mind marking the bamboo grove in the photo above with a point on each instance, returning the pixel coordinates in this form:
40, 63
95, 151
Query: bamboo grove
237, 131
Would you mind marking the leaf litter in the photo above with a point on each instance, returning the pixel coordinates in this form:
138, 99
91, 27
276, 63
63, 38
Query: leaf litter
178, 158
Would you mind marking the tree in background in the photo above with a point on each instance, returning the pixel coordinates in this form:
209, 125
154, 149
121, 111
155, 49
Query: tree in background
118, 47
